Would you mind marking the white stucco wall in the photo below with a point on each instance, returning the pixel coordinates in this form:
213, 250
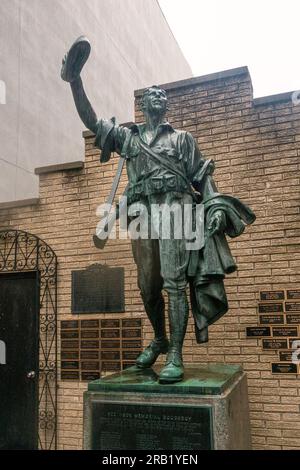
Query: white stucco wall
132, 47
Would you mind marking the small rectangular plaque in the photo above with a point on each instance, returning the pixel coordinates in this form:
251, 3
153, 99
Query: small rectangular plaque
110, 333
69, 354
274, 343
89, 376
70, 334
131, 344
131, 323
284, 368
91, 334
86, 344
118, 426
285, 356
70, 365
110, 344
110, 323
293, 318
270, 307
293, 293
69, 375
69, 344
98, 289
89, 324
110, 355
89, 354
258, 331
285, 331
271, 319
66, 324
131, 333
272, 295
292, 306
88, 365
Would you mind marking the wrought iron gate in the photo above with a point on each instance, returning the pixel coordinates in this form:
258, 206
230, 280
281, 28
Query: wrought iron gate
22, 251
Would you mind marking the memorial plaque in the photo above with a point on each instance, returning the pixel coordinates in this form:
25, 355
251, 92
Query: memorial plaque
89, 324
292, 306
270, 307
271, 319
70, 344
284, 368
130, 355
293, 318
70, 364
258, 331
131, 333
294, 341
89, 354
89, 334
69, 375
293, 293
285, 356
72, 324
147, 427
111, 366
110, 355
89, 376
69, 354
274, 343
85, 365
110, 344
272, 295
132, 323
110, 323
97, 289
70, 334
285, 331
89, 344
132, 344
110, 333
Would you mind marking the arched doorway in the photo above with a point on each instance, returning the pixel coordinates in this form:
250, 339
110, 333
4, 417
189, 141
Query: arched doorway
28, 327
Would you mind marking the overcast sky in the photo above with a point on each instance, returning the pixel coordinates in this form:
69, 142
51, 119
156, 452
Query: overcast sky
216, 35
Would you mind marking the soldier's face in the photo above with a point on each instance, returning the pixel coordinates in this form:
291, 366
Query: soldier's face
155, 102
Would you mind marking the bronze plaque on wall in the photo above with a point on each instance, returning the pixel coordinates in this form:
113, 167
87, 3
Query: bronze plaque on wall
98, 289
98, 346
272, 295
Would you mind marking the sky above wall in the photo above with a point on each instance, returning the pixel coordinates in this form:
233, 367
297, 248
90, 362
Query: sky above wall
216, 35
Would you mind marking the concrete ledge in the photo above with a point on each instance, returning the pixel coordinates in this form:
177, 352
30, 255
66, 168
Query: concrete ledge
272, 99
42, 170
20, 203
199, 80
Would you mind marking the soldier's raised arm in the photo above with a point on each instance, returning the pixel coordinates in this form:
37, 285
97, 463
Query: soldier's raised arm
72, 65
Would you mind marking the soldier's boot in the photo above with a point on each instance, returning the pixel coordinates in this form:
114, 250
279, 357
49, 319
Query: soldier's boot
160, 344
178, 316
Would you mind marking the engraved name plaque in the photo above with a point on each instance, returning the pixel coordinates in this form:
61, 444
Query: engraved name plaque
98, 289
141, 427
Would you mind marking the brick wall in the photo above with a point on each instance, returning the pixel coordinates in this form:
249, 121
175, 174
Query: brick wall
256, 147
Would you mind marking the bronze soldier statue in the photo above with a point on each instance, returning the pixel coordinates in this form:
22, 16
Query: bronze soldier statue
165, 166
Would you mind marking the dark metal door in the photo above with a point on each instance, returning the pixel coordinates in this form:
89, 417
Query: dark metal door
19, 330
